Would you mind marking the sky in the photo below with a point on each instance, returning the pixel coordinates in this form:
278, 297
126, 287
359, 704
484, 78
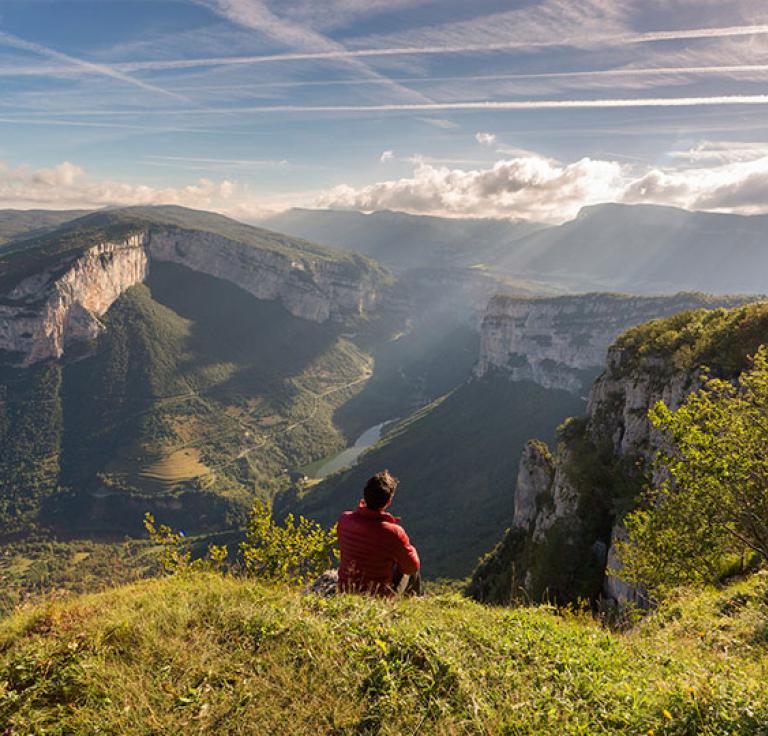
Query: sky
522, 109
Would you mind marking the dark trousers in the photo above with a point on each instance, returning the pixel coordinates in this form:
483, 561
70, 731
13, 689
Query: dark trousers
406, 584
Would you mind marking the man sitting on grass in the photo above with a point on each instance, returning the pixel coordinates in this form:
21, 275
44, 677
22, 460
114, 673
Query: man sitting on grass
376, 555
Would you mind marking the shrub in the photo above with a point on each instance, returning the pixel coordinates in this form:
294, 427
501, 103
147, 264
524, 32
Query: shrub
295, 551
712, 503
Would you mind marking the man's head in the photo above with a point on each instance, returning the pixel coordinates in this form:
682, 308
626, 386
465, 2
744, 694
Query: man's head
379, 490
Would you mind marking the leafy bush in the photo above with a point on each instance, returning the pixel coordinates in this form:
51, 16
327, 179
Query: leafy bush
295, 551
176, 550
712, 503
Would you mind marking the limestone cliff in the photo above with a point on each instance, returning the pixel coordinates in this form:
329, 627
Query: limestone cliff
314, 289
45, 311
62, 303
561, 342
569, 505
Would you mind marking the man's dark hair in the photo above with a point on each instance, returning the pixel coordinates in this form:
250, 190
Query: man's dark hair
379, 490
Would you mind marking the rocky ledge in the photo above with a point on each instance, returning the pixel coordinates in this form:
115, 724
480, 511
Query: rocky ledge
63, 303
561, 342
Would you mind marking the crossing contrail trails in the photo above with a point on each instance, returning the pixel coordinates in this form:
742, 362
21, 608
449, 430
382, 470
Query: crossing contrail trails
90, 67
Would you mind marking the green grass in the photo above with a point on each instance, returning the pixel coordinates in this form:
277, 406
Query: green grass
33, 568
175, 467
210, 655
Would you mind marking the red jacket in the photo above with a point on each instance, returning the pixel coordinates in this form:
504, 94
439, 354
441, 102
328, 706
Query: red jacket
371, 544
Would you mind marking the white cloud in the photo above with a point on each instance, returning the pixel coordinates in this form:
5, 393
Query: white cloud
485, 139
527, 186
539, 188
731, 187
530, 187
387, 156
69, 186
722, 152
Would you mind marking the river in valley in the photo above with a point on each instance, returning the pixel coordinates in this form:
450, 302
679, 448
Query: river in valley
349, 456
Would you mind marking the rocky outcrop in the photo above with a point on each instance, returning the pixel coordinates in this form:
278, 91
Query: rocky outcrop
64, 302
569, 506
316, 290
535, 476
561, 342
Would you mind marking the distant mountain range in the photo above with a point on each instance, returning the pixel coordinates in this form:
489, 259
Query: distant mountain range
609, 247
402, 241
631, 248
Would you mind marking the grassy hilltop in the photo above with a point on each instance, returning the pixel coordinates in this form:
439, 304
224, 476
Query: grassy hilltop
204, 654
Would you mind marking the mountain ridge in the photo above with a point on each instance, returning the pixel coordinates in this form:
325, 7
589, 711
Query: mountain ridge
640, 248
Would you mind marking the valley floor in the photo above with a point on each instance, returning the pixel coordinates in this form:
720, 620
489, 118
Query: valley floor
205, 654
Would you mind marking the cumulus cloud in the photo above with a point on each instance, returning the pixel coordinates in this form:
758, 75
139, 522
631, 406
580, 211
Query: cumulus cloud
69, 186
732, 187
386, 156
485, 139
524, 186
530, 187
538, 188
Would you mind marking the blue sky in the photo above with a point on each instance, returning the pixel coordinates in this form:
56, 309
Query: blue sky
509, 109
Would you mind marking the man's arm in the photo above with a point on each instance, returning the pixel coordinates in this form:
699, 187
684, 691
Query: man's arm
406, 556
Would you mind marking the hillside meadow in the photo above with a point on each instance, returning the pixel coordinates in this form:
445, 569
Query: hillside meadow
210, 654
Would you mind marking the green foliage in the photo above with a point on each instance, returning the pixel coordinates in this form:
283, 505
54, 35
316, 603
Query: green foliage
291, 552
208, 654
38, 566
176, 550
500, 574
712, 501
719, 338
26, 223
565, 562
30, 442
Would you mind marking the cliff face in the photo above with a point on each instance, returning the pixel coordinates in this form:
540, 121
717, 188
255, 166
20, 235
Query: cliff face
561, 342
619, 444
569, 505
45, 312
313, 290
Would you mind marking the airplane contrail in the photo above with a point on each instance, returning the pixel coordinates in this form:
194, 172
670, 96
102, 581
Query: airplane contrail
516, 105
86, 66
596, 40
489, 106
